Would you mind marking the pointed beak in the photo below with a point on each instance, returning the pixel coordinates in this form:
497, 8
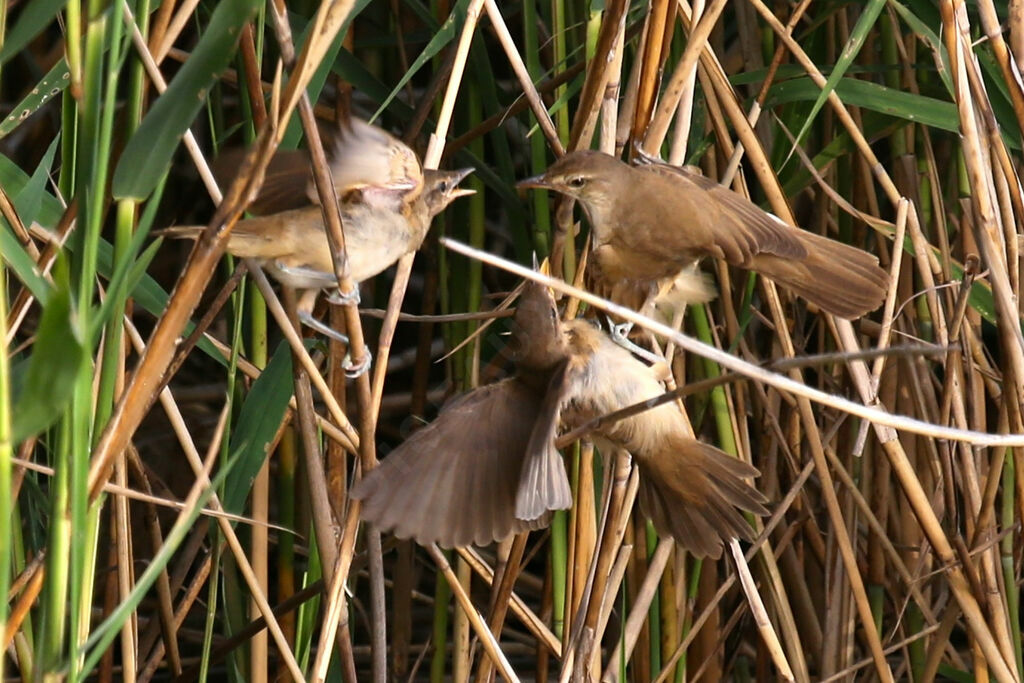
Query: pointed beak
462, 174
539, 182
457, 192
461, 192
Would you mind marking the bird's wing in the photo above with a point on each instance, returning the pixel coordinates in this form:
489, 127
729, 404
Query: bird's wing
370, 160
453, 482
284, 183
744, 230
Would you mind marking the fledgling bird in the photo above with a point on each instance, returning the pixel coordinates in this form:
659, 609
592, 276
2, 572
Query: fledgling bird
648, 222
387, 203
292, 245
487, 467
361, 157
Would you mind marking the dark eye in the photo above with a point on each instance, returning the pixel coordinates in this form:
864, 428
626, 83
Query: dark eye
577, 182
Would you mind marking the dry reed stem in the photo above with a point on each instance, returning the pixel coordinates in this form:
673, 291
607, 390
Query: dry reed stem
638, 612
507, 572
192, 455
490, 644
764, 624
911, 484
597, 75
533, 623
670, 98
301, 353
519, 68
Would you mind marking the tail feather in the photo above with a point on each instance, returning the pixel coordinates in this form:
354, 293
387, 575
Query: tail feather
838, 278
695, 493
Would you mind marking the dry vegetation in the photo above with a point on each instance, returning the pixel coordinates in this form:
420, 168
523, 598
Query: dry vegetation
893, 551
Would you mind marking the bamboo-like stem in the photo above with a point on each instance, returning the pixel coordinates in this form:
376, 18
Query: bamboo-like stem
169, 406
490, 644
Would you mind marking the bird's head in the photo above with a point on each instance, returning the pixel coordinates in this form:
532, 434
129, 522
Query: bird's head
441, 188
538, 341
593, 178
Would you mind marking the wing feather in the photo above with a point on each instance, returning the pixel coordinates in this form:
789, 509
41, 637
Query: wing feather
452, 482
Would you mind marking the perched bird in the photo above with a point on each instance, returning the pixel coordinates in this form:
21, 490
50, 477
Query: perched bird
651, 221
387, 203
361, 157
292, 245
689, 490
487, 467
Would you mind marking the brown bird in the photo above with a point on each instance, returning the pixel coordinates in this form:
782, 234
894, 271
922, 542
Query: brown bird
691, 491
454, 482
292, 245
651, 221
451, 482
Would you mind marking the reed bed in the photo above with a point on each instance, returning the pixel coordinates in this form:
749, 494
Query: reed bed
175, 457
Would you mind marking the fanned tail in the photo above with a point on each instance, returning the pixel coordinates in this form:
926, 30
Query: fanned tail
695, 493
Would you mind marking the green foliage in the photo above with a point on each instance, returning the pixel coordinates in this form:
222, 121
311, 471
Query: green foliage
57, 357
148, 154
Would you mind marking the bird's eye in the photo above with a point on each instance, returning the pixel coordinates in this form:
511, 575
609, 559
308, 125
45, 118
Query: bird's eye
577, 181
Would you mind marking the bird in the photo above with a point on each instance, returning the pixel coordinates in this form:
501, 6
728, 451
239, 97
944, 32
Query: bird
387, 203
361, 157
487, 466
454, 482
651, 221
690, 490
292, 245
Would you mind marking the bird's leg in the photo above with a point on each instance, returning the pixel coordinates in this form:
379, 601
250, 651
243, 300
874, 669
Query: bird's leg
620, 335
307, 319
304, 277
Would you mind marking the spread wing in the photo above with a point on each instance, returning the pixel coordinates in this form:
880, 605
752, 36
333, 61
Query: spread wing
381, 167
284, 184
742, 230
453, 482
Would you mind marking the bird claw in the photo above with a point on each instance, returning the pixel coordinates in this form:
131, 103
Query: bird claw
645, 158
620, 335
352, 370
312, 323
619, 332
356, 370
340, 298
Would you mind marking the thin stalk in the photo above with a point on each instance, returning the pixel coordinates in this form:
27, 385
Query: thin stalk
7, 510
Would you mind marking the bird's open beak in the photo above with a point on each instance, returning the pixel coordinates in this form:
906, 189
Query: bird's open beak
538, 182
461, 175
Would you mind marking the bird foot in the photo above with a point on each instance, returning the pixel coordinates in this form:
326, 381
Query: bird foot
620, 335
312, 323
645, 158
340, 298
352, 370
356, 370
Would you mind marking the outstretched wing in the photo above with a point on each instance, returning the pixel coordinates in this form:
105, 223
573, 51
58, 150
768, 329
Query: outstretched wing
453, 482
